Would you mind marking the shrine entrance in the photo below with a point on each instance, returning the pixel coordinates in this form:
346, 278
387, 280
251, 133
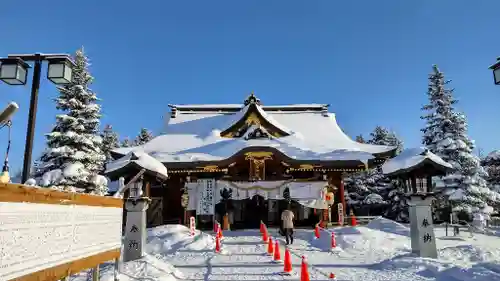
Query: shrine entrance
255, 211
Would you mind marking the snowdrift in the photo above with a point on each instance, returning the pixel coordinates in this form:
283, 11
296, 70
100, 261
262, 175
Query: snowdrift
378, 251
167, 239
389, 226
163, 242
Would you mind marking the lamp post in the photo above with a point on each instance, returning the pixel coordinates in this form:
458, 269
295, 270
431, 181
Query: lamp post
14, 71
496, 71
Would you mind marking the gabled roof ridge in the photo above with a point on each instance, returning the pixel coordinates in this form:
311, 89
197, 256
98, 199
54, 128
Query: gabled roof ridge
238, 107
243, 112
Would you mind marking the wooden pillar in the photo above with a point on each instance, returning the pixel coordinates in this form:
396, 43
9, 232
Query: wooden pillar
429, 184
413, 180
326, 218
146, 187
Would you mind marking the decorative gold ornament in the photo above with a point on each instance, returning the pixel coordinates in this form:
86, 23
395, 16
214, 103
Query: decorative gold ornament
209, 168
266, 155
309, 167
253, 119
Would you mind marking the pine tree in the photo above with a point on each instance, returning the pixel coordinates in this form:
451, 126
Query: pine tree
126, 142
371, 189
393, 193
491, 164
365, 188
360, 139
73, 157
110, 141
382, 136
144, 136
445, 134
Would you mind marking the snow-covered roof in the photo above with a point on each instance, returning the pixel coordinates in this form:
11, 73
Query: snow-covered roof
236, 107
493, 156
411, 159
137, 160
192, 136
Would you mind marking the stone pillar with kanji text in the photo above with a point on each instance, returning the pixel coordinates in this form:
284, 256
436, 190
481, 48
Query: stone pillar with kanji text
423, 240
135, 228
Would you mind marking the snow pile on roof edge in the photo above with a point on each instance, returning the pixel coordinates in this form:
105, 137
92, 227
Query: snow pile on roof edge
410, 158
141, 159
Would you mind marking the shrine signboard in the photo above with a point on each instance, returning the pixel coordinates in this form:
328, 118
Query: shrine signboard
48, 235
192, 225
341, 214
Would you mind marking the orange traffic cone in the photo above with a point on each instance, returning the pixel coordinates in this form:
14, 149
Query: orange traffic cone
217, 244
261, 227
277, 256
316, 231
270, 248
288, 262
354, 222
332, 276
265, 237
334, 242
219, 235
304, 272
216, 227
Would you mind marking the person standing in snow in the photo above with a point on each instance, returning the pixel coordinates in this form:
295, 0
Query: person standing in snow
287, 217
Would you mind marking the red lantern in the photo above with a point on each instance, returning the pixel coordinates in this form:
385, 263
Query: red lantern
330, 198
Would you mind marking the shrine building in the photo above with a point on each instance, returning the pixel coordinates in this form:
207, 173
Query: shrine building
255, 158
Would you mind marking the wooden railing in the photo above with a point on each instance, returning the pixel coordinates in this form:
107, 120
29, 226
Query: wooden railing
52, 234
360, 220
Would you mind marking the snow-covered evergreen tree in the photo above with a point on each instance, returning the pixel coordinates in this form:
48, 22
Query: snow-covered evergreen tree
110, 141
393, 193
126, 142
491, 164
445, 134
360, 139
365, 188
371, 189
397, 202
144, 136
382, 136
74, 158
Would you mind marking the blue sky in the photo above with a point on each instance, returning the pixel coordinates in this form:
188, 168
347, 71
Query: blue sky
368, 59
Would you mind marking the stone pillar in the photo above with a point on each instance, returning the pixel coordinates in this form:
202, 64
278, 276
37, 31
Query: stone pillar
423, 241
135, 228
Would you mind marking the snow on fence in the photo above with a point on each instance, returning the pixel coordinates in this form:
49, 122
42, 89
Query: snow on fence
47, 234
360, 220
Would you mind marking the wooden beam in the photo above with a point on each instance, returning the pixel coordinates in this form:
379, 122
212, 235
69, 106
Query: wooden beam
63, 270
23, 193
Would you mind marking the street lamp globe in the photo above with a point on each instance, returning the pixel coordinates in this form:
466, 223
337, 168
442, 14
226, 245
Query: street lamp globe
60, 70
496, 75
496, 71
13, 71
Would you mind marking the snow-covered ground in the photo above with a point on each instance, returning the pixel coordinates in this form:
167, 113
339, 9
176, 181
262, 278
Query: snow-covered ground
378, 251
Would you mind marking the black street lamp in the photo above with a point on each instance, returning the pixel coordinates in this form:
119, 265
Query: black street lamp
496, 71
14, 71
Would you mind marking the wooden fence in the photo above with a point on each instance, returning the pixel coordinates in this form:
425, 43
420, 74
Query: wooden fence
49, 235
